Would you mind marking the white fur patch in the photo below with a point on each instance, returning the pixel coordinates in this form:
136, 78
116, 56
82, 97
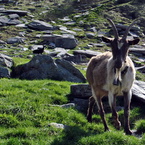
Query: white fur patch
118, 75
120, 44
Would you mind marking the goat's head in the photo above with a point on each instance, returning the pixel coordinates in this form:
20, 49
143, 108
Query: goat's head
120, 48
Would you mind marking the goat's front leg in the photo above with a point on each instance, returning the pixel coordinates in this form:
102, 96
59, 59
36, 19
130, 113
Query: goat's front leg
112, 103
102, 113
127, 100
90, 108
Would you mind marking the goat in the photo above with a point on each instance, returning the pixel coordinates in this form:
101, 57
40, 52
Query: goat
112, 74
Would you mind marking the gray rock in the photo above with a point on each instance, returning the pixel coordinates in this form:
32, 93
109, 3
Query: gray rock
40, 25
77, 59
6, 21
19, 12
97, 44
63, 41
15, 40
65, 19
4, 72
68, 31
13, 16
137, 50
81, 104
6, 61
14, 22
93, 29
3, 20
40, 67
69, 105
77, 29
58, 125
44, 67
2, 8
2, 42
90, 35
58, 52
66, 41
70, 23
21, 26
87, 53
68, 72
80, 91
138, 90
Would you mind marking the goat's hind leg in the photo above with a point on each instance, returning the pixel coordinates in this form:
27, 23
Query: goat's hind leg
90, 108
98, 100
112, 103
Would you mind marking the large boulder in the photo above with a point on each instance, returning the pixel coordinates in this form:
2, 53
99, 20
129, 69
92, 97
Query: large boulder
44, 67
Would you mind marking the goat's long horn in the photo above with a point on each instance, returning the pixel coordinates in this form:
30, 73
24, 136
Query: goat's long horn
114, 28
127, 30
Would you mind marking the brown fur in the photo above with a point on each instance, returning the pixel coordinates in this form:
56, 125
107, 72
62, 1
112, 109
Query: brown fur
99, 65
97, 68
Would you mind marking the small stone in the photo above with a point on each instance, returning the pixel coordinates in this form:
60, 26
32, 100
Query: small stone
58, 125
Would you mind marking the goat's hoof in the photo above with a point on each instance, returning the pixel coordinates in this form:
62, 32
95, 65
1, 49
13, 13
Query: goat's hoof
118, 125
107, 129
89, 119
128, 132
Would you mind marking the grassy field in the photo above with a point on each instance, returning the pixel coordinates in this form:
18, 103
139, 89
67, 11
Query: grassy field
28, 107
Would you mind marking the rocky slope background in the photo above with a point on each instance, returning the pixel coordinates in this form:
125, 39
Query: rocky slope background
54, 40
69, 30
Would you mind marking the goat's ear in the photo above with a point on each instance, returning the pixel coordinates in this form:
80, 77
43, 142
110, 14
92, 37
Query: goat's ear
133, 42
107, 40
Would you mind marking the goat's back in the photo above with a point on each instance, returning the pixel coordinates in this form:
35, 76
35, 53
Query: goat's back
97, 69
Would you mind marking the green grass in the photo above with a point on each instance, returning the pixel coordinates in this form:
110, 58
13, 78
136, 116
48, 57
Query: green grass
28, 107
140, 125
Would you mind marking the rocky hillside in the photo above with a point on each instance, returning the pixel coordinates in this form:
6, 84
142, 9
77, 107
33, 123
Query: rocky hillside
71, 30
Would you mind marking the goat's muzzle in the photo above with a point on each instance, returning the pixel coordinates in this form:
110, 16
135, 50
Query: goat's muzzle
117, 80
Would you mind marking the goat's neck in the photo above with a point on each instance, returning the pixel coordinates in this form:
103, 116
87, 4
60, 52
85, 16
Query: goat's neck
115, 74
